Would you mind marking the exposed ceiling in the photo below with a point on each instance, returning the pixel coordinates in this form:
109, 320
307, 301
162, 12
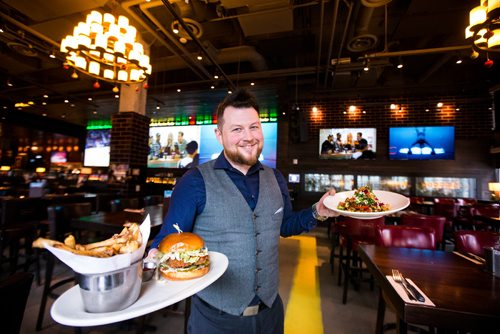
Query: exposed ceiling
298, 48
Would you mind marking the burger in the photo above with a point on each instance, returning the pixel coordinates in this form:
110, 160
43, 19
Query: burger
183, 256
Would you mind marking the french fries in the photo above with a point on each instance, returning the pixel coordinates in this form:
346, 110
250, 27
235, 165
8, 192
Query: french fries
127, 241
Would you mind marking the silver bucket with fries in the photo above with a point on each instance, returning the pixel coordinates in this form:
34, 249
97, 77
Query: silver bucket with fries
111, 291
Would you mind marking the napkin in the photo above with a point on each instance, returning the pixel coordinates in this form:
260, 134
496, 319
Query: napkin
402, 293
94, 265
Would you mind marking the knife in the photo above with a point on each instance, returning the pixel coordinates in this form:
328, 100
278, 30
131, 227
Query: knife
413, 290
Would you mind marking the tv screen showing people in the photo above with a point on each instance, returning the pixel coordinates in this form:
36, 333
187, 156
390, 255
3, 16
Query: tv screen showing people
190, 145
422, 143
348, 143
97, 148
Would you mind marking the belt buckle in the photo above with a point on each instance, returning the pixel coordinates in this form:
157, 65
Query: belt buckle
251, 310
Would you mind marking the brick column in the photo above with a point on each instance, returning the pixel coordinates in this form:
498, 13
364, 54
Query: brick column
129, 140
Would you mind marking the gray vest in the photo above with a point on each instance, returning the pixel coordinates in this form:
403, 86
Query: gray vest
248, 238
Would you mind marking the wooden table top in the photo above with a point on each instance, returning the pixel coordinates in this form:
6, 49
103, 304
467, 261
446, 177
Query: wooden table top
112, 222
466, 296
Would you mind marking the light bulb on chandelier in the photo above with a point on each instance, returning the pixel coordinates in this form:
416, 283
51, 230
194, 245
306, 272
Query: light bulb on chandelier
484, 29
105, 47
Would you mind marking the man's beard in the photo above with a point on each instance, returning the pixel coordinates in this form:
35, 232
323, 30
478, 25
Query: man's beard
239, 158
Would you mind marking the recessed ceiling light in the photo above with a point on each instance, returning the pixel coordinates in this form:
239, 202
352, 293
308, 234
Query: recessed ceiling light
44, 103
45, 96
44, 115
66, 101
117, 96
90, 99
459, 61
178, 90
440, 104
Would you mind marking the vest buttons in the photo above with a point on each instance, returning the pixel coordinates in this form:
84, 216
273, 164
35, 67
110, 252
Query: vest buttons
257, 288
257, 252
257, 234
258, 270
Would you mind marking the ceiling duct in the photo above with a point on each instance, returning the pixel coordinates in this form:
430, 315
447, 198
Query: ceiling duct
363, 40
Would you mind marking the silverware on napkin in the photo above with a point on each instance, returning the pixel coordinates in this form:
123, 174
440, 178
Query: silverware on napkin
410, 290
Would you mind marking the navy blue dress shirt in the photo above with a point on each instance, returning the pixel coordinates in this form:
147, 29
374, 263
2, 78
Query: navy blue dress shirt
189, 198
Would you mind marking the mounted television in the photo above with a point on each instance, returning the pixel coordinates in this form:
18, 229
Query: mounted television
58, 157
97, 146
347, 143
422, 143
166, 151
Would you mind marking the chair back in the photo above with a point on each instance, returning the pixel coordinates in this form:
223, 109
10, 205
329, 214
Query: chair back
14, 291
492, 210
360, 230
444, 200
152, 200
60, 217
22, 210
468, 241
446, 209
437, 223
406, 237
124, 203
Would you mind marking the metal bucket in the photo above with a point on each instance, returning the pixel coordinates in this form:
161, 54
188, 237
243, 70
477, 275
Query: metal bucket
111, 291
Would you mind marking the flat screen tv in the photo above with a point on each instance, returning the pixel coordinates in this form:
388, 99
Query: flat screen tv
97, 146
58, 157
347, 143
165, 151
422, 143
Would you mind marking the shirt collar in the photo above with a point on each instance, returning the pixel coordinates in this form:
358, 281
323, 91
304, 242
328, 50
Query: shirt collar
222, 163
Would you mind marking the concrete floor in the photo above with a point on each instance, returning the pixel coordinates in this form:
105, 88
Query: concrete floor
357, 316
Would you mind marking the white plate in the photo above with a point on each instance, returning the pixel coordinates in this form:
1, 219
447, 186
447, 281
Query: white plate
68, 308
396, 201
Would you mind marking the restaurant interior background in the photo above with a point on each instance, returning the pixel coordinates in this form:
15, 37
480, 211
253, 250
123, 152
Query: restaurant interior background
312, 64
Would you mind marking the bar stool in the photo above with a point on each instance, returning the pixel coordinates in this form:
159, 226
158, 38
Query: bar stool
59, 217
354, 232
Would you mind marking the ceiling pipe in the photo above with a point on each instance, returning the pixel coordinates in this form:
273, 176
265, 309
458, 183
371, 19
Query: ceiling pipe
416, 52
144, 7
342, 42
330, 46
195, 39
127, 6
320, 39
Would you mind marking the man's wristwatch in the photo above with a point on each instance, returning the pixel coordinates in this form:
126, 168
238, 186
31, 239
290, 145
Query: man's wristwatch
316, 215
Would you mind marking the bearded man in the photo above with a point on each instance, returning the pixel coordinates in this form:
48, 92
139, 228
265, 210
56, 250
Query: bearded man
240, 208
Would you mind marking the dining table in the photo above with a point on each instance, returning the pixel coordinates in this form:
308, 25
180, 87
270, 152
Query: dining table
465, 296
112, 222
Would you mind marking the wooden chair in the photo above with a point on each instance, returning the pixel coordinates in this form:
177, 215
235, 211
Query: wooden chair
152, 200
14, 291
124, 203
20, 218
467, 241
352, 233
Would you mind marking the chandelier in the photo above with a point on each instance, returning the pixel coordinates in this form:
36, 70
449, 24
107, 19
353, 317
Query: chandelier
105, 48
484, 28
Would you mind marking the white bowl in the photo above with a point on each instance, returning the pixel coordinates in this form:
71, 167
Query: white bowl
396, 201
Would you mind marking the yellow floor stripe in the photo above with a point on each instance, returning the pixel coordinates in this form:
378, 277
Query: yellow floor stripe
303, 312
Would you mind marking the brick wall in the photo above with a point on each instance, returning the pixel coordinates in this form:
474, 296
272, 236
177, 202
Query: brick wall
129, 146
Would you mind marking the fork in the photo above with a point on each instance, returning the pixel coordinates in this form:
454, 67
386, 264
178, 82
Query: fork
396, 276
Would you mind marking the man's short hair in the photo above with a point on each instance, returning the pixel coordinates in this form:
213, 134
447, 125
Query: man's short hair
241, 98
191, 147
